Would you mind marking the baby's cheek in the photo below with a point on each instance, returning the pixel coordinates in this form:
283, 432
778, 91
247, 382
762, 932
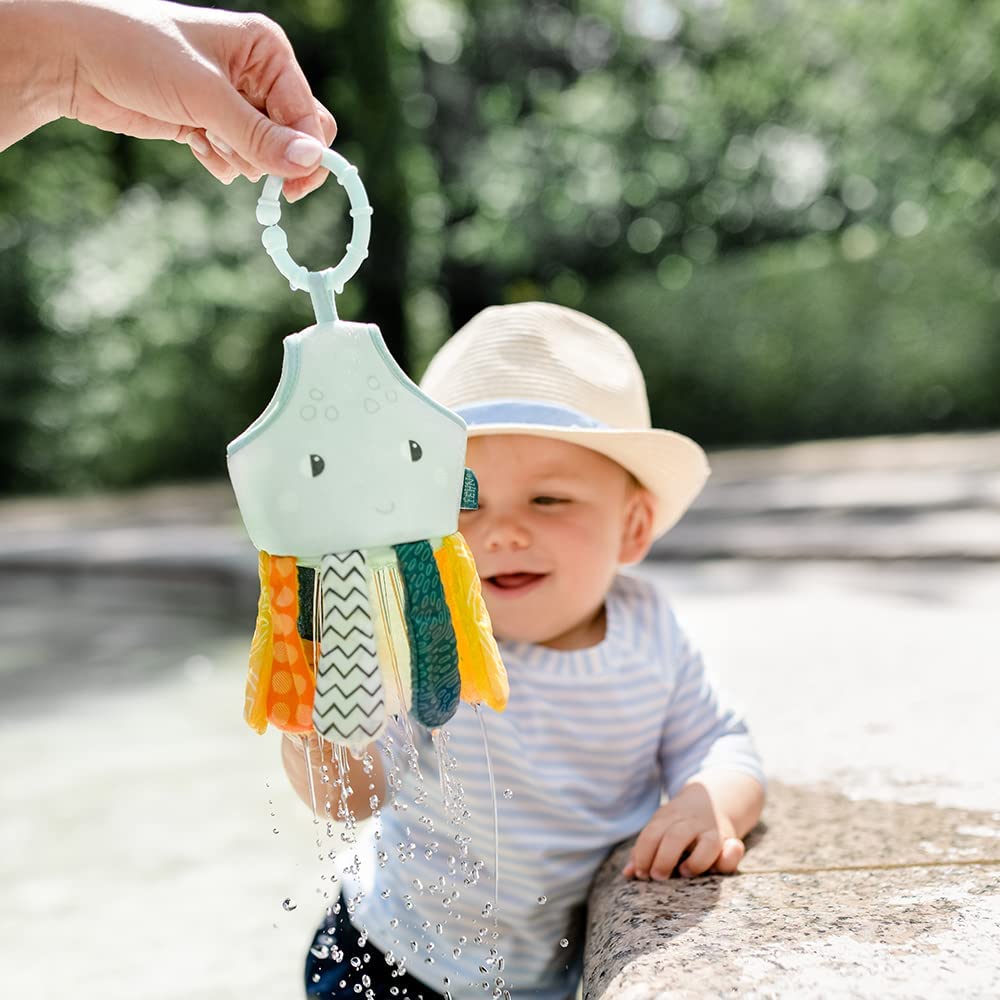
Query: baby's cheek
467, 526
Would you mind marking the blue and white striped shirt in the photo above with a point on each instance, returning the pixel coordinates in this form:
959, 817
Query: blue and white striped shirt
589, 742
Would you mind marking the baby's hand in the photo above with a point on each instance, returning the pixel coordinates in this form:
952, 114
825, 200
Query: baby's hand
687, 827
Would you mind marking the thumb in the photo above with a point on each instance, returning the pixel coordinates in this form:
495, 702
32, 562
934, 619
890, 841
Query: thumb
730, 857
269, 147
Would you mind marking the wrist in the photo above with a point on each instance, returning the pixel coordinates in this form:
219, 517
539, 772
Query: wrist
38, 78
735, 798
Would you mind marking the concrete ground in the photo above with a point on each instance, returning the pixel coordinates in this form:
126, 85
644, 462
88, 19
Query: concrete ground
139, 857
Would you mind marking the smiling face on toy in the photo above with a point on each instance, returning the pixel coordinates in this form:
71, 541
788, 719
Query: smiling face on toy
349, 453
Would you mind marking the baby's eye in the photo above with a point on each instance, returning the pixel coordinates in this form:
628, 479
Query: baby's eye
548, 501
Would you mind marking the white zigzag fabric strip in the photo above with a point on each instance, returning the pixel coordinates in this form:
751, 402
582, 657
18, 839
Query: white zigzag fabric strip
350, 702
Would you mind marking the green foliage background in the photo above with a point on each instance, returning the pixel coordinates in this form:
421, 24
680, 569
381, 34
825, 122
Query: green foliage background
789, 208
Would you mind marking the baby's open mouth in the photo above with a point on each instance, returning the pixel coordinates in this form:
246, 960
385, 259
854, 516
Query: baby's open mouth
515, 582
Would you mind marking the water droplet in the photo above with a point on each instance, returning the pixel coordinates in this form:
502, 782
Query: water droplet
315, 977
275, 830
508, 793
320, 951
456, 952
564, 943
289, 904
542, 900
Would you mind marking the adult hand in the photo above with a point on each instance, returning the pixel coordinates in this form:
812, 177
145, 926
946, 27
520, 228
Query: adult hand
227, 84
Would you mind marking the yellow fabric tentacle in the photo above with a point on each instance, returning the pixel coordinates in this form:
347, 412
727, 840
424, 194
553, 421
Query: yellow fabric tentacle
392, 645
261, 652
484, 677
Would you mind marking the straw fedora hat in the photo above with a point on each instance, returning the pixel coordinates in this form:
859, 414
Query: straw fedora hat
544, 370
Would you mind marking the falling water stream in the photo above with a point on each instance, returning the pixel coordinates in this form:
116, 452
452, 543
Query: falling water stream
461, 868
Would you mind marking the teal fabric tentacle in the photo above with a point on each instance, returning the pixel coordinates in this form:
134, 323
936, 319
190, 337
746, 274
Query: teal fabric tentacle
433, 652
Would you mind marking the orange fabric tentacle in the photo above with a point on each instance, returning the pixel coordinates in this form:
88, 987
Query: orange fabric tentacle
261, 648
293, 684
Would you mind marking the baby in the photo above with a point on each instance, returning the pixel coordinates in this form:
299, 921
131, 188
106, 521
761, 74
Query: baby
610, 707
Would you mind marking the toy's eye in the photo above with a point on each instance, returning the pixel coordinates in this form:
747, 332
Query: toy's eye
317, 464
415, 451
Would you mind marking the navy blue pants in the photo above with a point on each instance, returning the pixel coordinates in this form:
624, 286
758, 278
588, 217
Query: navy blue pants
324, 976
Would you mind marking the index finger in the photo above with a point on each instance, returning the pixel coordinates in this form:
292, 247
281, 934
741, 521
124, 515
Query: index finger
264, 69
266, 110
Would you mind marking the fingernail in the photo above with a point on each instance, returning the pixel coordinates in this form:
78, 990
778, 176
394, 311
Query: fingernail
198, 144
221, 145
304, 151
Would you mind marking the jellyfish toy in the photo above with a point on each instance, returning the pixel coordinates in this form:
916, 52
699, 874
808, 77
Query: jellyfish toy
350, 485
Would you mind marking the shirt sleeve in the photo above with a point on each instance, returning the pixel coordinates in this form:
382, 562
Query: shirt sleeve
700, 731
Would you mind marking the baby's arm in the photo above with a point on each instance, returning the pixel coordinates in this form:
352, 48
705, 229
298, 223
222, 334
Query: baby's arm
711, 773
321, 756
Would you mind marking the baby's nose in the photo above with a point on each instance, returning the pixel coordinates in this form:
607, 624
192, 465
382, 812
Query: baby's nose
506, 533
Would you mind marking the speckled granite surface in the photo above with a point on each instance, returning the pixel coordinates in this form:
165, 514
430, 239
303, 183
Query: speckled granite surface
836, 899
809, 828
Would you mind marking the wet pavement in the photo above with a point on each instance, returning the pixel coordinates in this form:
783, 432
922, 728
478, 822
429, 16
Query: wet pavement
138, 854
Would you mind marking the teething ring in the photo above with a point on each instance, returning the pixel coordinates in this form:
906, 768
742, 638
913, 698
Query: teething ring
321, 285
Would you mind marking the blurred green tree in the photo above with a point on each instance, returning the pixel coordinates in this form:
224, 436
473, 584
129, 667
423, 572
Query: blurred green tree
789, 208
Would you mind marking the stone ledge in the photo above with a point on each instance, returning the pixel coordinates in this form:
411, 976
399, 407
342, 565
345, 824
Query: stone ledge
930, 497
903, 905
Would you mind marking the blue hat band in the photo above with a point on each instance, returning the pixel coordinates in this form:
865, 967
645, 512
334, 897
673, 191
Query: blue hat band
527, 411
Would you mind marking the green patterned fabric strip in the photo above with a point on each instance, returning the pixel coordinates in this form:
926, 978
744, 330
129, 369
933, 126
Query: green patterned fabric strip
470, 491
433, 653
307, 578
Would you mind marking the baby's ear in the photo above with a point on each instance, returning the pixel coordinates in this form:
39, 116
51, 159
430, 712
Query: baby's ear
637, 525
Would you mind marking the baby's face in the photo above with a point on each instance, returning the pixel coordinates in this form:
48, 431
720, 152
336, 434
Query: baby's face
548, 536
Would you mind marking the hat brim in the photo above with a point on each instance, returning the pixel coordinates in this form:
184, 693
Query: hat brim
671, 466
